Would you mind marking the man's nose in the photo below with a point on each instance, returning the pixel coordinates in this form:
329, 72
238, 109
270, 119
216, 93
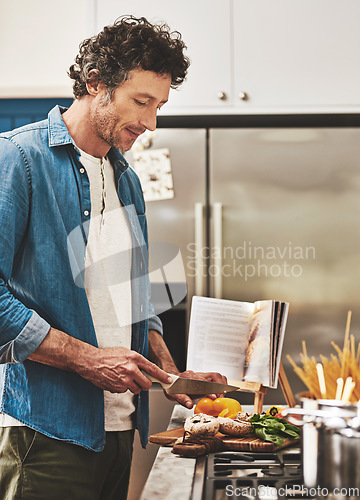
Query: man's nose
149, 119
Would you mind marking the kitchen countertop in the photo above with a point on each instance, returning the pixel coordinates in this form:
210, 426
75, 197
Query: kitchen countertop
171, 476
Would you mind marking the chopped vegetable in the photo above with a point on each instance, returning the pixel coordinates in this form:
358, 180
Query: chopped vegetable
232, 405
221, 406
205, 405
274, 410
273, 429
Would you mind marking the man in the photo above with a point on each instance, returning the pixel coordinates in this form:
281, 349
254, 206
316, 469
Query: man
76, 324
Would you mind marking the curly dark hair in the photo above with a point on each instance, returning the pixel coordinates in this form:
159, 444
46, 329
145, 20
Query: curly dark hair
128, 44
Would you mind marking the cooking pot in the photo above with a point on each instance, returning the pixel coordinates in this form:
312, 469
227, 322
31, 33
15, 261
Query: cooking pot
330, 442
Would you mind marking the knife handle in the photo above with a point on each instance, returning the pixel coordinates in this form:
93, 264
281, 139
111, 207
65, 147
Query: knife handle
163, 384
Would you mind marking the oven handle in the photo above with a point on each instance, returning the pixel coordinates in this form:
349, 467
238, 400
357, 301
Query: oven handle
218, 285
199, 247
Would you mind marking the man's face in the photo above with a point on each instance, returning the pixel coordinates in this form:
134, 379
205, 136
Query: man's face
132, 109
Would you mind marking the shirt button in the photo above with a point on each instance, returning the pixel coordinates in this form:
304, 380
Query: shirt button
86, 212
82, 170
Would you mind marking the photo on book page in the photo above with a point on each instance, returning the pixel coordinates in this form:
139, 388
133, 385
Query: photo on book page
242, 340
258, 352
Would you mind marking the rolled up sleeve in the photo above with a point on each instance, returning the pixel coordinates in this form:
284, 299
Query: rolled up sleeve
28, 339
155, 324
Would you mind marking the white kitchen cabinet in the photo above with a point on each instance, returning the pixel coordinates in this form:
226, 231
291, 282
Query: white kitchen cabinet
39, 40
296, 55
259, 56
205, 28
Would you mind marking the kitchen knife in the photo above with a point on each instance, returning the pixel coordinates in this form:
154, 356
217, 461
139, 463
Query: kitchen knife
181, 385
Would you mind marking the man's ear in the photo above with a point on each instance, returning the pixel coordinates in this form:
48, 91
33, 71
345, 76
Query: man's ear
93, 83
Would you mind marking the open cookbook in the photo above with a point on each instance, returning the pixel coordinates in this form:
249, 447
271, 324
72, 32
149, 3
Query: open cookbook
241, 340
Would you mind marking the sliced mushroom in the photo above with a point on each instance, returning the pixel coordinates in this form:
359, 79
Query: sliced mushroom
201, 425
236, 428
243, 416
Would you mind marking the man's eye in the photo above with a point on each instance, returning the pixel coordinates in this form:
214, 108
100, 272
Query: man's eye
140, 103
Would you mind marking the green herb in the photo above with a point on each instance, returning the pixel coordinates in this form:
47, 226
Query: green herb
273, 429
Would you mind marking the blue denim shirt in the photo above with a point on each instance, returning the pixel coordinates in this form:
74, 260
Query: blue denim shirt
44, 218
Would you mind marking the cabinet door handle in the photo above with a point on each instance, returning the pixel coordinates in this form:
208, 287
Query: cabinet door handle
243, 96
222, 95
217, 214
199, 248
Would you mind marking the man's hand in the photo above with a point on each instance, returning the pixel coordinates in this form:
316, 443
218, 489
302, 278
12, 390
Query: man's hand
159, 353
117, 369
187, 399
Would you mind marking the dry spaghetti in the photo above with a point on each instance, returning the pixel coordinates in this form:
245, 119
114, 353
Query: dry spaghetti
334, 378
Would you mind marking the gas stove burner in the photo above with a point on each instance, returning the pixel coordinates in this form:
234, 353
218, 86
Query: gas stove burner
228, 457
276, 471
253, 476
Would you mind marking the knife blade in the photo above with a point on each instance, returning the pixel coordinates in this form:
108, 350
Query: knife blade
181, 385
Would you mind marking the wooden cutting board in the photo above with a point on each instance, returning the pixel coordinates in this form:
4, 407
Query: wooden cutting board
220, 442
167, 438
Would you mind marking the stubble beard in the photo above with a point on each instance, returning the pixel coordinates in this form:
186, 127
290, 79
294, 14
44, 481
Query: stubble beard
104, 122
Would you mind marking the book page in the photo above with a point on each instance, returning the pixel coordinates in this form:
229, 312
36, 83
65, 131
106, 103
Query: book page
275, 340
281, 335
218, 336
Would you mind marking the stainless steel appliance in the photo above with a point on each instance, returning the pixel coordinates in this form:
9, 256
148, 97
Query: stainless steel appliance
269, 210
219, 476
330, 443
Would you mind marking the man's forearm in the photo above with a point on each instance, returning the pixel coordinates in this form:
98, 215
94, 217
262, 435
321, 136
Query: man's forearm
60, 350
159, 353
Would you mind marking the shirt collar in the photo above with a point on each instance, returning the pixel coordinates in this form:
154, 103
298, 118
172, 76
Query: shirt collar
116, 158
58, 132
